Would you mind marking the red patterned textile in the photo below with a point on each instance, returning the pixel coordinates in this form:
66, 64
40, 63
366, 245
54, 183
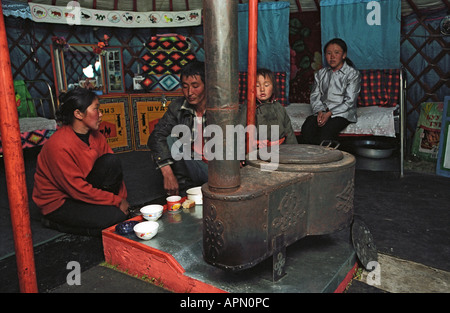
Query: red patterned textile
280, 83
162, 83
166, 54
379, 88
33, 139
165, 57
306, 54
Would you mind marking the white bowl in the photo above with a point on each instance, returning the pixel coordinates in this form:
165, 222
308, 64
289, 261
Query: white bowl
173, 199
146, 230
152, 212
195, 194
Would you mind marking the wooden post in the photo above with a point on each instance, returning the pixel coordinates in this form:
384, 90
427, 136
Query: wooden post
15, 170
251, 71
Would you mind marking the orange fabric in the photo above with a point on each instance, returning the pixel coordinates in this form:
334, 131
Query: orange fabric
268, 143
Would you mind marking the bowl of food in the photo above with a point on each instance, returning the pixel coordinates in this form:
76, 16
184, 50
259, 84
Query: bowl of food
195, 194
146, 230
152, 212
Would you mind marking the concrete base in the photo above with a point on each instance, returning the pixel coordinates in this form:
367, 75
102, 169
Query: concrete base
394, 275
101, 279
174, 259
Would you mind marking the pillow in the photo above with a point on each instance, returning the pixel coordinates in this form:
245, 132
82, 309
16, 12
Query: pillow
379, 88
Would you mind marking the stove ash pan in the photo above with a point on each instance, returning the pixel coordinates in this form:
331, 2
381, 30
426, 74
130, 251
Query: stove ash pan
273, 209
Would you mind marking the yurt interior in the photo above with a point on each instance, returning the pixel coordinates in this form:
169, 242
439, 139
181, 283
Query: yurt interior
131, 53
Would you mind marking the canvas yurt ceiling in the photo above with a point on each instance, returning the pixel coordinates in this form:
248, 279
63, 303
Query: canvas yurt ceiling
408, 6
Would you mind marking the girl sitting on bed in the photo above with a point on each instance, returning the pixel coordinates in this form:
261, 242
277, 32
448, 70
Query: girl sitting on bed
269, 111
333, 97
78, 184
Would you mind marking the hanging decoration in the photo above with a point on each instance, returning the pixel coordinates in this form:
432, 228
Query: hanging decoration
445, 25
76, 15
101, 45
60, 43
165, 57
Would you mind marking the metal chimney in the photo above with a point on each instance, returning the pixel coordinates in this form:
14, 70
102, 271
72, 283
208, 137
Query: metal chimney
222, 86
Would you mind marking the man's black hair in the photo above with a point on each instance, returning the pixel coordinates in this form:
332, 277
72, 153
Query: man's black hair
194, 68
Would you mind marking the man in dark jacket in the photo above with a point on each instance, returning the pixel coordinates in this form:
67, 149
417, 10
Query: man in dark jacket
189, 112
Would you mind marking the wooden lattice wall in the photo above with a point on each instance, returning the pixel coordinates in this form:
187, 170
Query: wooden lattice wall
29, 44
423, 42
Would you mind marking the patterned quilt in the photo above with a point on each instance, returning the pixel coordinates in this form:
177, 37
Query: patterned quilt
35, 131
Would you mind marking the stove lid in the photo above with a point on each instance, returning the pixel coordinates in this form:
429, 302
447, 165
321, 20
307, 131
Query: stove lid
307, 154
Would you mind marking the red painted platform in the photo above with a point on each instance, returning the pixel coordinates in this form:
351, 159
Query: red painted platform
173, 258
137, 258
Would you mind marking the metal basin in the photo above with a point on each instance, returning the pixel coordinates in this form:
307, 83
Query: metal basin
374, 149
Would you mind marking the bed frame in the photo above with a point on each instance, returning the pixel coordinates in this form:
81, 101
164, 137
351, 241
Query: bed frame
380, 111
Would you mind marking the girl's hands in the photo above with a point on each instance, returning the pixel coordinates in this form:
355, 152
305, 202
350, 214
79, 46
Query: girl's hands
322, 118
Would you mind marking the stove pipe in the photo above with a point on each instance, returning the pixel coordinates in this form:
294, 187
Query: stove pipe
222, 89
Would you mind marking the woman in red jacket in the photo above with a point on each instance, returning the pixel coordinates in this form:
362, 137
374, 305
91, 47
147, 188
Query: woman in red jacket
78, 184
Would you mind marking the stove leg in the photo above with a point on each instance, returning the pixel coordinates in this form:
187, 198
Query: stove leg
279, 258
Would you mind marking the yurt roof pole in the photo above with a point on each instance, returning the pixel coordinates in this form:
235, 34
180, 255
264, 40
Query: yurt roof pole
15, 170
251, 71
